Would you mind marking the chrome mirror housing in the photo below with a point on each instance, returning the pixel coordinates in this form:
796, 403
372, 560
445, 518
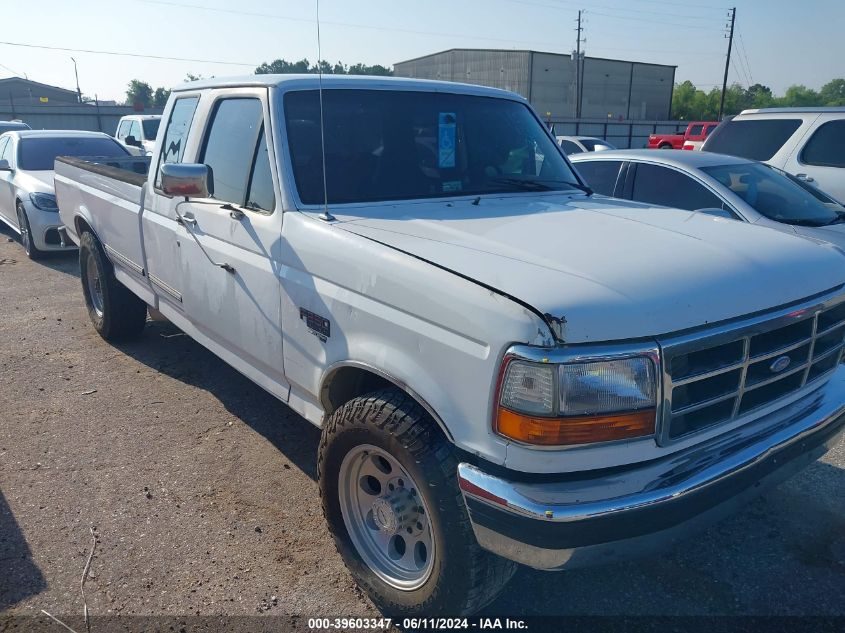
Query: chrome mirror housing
190, 180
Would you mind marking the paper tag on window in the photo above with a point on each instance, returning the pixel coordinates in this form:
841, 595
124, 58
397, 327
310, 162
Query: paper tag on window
446, 140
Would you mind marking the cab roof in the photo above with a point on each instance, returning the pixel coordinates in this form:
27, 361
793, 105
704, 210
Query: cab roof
312, 81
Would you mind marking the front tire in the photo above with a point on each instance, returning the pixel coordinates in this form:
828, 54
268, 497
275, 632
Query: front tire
388, 484
32, 251
116, 313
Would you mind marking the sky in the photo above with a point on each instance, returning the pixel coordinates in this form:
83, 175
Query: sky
779, 42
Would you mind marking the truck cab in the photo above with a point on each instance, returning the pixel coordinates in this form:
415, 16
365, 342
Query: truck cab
505, 368
137, 133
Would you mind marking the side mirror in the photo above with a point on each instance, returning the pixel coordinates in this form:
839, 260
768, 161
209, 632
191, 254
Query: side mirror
185, 179
131, 140
4, 165
719, 213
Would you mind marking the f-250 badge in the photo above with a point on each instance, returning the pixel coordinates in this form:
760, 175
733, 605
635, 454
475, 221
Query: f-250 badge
317, 325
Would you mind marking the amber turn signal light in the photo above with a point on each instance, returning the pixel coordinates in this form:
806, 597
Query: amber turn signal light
572, 430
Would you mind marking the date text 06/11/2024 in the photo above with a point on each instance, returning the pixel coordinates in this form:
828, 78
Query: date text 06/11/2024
433, 624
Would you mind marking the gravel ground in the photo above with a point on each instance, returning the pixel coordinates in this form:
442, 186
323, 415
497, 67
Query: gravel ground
202, 490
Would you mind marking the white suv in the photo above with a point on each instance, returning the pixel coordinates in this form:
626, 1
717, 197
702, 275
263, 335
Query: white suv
137, 133
808, 143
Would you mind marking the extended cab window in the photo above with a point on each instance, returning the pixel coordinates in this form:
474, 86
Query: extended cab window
758, 139
826, 148
670, 188
400, 145
236, 153
176, 133
600, 175
150, 128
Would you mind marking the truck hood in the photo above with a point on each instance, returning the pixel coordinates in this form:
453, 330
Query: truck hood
611, 269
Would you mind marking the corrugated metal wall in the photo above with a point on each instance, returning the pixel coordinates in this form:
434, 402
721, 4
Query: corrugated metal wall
508, 70
612, 88
77, 117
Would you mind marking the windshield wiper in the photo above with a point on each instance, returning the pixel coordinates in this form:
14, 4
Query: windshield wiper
839, 219
540, 185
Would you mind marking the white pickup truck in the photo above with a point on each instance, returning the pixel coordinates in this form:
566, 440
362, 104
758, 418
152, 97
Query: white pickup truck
505, 367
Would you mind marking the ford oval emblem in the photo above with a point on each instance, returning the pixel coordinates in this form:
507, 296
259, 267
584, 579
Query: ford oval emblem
779, 364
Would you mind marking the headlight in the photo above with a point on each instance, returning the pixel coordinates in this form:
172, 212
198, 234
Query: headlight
44, 201
577, 403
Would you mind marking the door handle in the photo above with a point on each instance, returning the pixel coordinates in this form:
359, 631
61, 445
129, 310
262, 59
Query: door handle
804, 177
234, 212
187, 219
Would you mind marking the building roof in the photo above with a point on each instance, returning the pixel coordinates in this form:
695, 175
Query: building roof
35, 84
526, 50
312, 81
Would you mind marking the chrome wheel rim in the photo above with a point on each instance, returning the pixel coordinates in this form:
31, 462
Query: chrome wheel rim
95, 288
24, 229
386, 517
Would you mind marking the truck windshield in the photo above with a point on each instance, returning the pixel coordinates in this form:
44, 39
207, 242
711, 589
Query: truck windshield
399, 145
775, 195
39, 154
150, 128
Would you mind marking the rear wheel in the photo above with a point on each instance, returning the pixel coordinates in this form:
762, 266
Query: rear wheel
116, 313
32, 251
388, 483
665, 146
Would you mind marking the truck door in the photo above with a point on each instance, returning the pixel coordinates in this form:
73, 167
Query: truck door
162, 239
239, 310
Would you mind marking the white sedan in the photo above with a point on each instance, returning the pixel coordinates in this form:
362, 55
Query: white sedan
580, 144
27, 198
725, 186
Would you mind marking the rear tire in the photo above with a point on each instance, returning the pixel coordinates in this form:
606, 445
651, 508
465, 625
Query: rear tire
32, 251
449, 573
116, 313
665, 146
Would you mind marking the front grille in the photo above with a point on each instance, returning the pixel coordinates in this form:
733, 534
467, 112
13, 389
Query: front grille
717, 376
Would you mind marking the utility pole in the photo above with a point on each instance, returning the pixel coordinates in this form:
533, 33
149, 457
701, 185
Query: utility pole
76, 74
727, 63
578, 66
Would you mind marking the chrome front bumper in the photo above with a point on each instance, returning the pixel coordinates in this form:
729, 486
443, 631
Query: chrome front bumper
602, 516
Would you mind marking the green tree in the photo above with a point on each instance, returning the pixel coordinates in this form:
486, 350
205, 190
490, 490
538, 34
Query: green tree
139, 92
799, 96
833, 93
284, 67
759, 96
160, 97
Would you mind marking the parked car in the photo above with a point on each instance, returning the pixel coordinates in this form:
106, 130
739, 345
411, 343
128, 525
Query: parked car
505, 367
579, 144
696, 132
27, 201
809, 143
717, 184
137, 133
8, 126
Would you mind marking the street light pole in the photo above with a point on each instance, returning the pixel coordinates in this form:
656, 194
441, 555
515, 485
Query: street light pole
76, 74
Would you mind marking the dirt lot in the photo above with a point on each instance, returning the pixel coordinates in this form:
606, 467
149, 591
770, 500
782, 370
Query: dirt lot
201, 489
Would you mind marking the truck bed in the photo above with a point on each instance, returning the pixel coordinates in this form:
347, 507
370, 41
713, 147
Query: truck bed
107, 194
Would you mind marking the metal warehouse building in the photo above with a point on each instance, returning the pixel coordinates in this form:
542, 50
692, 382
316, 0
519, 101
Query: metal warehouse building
611, 89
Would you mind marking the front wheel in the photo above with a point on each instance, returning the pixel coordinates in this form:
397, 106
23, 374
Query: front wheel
388, 483
32, 251
116, 313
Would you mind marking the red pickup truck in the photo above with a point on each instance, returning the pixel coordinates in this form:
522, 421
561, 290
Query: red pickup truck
696, 132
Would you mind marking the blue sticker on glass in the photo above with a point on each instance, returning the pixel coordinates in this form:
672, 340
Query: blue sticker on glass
446, 139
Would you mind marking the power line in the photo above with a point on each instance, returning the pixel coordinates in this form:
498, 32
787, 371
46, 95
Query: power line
650, 21
12, 70
745, 54
592, 6
121, 54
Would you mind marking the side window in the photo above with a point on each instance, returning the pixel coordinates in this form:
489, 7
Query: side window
176, 134
695, 130
260, 194
230, 147
755, 139
135, 130
826, 148
570, 148
123, 129
600, 174
670, 188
